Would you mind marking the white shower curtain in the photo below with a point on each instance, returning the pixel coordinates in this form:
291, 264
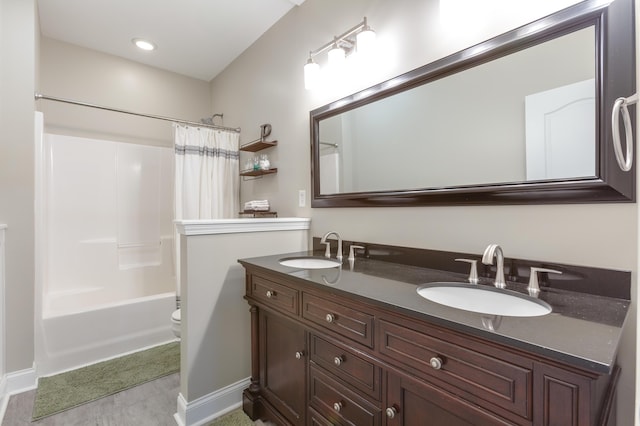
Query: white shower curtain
207, 173
207, 176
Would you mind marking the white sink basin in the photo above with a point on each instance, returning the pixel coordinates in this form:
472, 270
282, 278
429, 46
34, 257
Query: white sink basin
309, 262
484, 300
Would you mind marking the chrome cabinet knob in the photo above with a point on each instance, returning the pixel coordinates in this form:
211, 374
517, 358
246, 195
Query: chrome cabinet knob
391, 412
330, 318
338, 360
337, 406
270, 294
299, 355
436, 363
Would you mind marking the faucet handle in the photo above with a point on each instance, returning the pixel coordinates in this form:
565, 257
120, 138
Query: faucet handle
473, 272
352, 253
534, 288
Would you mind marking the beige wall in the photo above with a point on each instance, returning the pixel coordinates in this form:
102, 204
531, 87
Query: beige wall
265, 84
18, 45
73, 72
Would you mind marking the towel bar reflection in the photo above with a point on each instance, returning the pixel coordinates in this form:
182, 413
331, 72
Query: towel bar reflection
140, 244
335, 145
625, 162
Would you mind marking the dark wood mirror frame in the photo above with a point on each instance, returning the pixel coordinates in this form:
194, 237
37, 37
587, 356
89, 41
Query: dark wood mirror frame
615, 77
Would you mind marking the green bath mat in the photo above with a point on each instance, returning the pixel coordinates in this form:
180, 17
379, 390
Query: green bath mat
234, 418
73, 388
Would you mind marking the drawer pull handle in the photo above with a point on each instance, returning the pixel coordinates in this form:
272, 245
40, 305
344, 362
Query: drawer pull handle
330, 318
391, 412
270, 294
338, 360
299, 355
337, 406
436, 363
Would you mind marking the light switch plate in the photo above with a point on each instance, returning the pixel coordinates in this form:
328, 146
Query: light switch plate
302, 198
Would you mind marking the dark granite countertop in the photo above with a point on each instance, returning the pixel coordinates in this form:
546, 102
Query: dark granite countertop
583, 330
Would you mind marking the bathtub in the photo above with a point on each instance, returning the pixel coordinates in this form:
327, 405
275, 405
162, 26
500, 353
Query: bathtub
71, 339
105, 273
95, 311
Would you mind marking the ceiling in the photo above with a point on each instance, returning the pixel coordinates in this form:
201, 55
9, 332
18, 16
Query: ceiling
196, 38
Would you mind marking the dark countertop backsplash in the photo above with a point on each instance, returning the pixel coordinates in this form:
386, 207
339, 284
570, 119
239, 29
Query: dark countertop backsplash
596, 281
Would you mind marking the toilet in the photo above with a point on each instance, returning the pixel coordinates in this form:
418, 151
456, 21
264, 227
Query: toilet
175, 322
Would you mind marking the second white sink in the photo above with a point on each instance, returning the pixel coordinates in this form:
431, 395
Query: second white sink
309, 262
484, 300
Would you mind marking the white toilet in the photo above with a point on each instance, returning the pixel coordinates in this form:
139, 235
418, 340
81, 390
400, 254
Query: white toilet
175, 322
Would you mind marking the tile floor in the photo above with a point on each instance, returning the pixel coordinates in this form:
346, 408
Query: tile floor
150, 404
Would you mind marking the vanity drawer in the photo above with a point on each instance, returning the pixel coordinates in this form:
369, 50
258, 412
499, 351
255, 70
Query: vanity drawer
337, 317
338, 404
358, 371
469, 369
274, 294
315, 419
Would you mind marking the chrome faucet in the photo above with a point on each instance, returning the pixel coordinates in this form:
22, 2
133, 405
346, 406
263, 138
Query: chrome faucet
487, 258
327, 251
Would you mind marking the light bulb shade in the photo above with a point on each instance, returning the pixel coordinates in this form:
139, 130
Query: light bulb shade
365, 41
311, 75
337, 56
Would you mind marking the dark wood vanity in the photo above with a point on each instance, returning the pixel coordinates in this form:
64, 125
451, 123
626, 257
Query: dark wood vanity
323, 354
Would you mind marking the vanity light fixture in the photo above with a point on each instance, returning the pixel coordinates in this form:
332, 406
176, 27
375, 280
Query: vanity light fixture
366, 39
359, 38
336, 55
143, 44
311, 74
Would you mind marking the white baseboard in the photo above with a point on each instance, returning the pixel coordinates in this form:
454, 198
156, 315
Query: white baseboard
211, 406
18, 381
13, 383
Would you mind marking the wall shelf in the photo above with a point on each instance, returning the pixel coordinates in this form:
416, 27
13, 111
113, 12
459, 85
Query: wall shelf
258, 172
257, 145
257, 214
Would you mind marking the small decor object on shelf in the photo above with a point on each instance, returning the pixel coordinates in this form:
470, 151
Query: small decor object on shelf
264, 162
265, 130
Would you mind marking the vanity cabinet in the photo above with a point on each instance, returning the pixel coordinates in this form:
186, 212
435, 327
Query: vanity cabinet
414, 402
282, 377
323, 357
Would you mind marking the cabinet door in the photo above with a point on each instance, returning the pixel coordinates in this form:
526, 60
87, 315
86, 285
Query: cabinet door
561, 398
283, 365
411, 402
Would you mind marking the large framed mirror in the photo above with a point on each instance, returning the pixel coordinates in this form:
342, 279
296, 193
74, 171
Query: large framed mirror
524, 117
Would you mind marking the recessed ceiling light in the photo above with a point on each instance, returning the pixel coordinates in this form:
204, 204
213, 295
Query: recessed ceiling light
143, 44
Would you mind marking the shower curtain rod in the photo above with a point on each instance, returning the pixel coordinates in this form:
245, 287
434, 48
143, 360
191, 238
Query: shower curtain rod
39, 96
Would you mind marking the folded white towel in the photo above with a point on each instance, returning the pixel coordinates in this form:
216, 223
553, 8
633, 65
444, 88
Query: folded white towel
260, 205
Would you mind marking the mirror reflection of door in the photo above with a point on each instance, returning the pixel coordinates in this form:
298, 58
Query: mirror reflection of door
560, 132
